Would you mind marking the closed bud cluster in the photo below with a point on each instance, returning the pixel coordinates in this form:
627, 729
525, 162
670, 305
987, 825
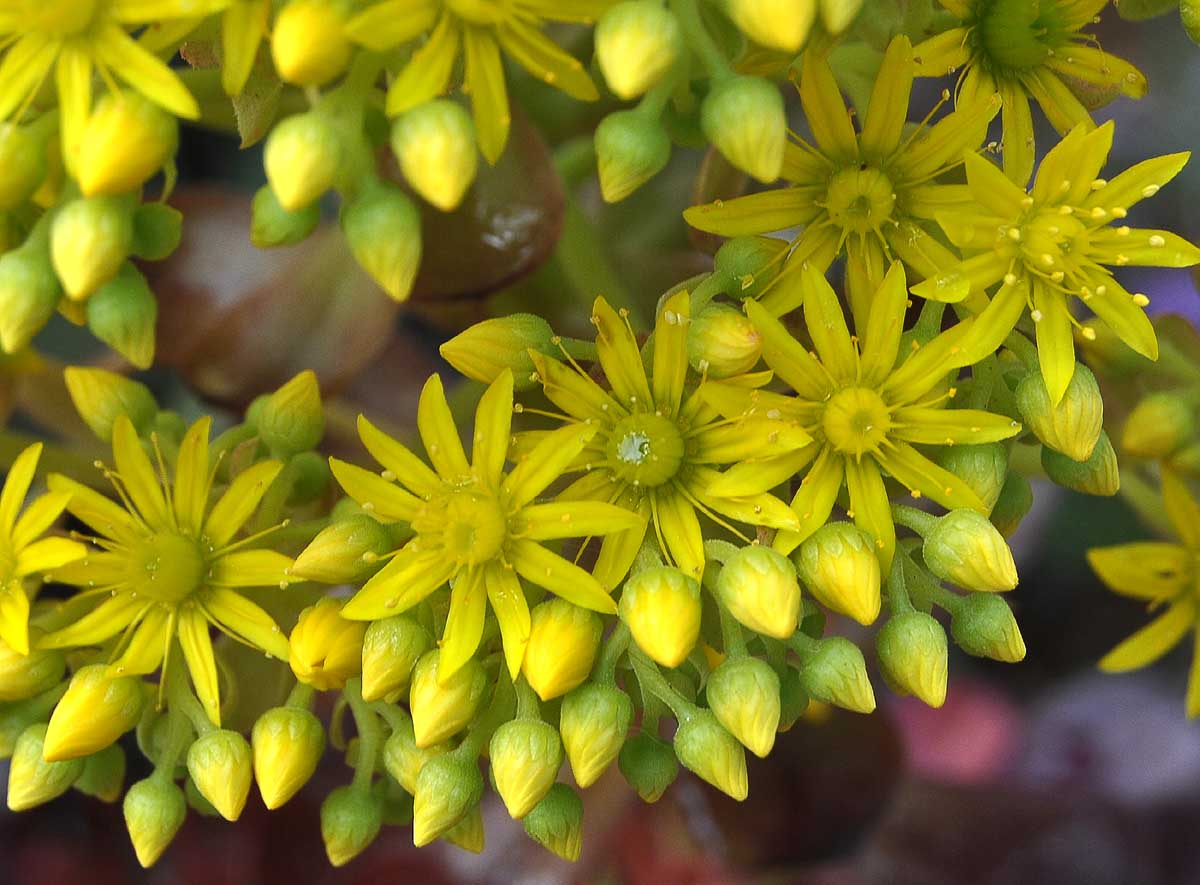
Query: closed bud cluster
448, 787
345, 551
743, 693
709, 751
291, 420
287, 743
271, 225
1159, 425
649, 765
912, 653
743, 118
983, 467
631, 148
525, 756
220, 763
838, 564
758, 586
103, 774
90, 238
1098, 475
325, 648
122, 313
23, 159
96, 710
301, 158
155, 809
350, 821
485, 350
775, 24
383, 229
964, 548
403, 759
836, 674
637, 42
390, 651
661, 607
434, 144
127, 139
101, 397
308, 43
32, 780
440, 709
1073, 426
29, 292
983, 625
563, 639
556, 823
723, 342
23, 676
747, 262
1016, 498
594, 721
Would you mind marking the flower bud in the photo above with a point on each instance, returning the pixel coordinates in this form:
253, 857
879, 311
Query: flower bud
838, 564
631, 148
983, 467
391, 648
1098, 475
434, 144
157, 231
649, 765
220, 764
350, 821
775, 24
556, 823
483, 351
287, 743
325, 648
793, 699
743, 118
122, 313
29, 292
448, 787
271, 225
32, 780
1073, 426
749, 263
23, 676
301, 159
127, 139
637, 42
291, 419
594, 721
563, 639
308, 43
709, 751
837, 15
965, 549
383, 229
468, 833
403, 759
103, 774
1016, 498
723, 342
743, 694
101, 397
442, 709
983, 625
525, 756
90, 238
345, 551
23, 159
661, 607
155, 809
836, 674
96, 710
196, 802
1159, 425
912, 652
758, 586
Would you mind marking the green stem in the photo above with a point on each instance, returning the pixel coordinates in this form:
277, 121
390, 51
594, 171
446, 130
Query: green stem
803, 645
656, 98
652, 681
897, 593
528, 706
300, 697
614, 647
179, 735
181, 700
699, 41
983, 376
369, 736
500, 711
393, 716
711, 286
1025, 349
918, 520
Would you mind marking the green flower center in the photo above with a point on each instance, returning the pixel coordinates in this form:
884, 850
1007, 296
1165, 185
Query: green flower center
1013, 33
480, 12
474, 527
63, 18
1047, 240
174, 566
860, 199
645, 450
856, 420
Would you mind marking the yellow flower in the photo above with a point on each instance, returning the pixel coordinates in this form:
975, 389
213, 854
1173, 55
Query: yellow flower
474, 526
168, 566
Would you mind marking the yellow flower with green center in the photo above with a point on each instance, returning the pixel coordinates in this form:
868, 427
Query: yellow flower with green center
868, 195
1162, 574
655, 450
478, 30
168, 566
866, 414
475, 526
24, 553
1028, 49
1058, 238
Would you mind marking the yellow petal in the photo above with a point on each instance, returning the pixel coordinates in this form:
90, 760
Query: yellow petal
870, 507
826, 323
143, 71
951, 427
14, 616
427, 73
381, 498
885, 324
239, 501
539, 566
546, 463
146, 644
680, 528
192, 629
1182, 509
243, 27
824, 109
410, 470
542, 57
46, 554
38, 516
787, 356
1153, 641
1144, 570
620, 356
493, 427
887, 111
814, 499
573, 392
512, 613
16, 486
192, 477
243, 619
107, 619
464, 623
138, 476
576, 519
389, 24
670, 352
401, 584
250, 568
101, 514
920, 475
489, 97
438, 432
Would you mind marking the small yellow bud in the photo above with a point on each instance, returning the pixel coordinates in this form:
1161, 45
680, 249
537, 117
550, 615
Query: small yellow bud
325, 648
563, 639
101, 397
90, 238
838, 564
122, 313
271, 225
637, 42
709, 751
743, 118
912, 653
291, 419
1159, 425
1073, 426
964, 548
23, 676
103, 774
983, 467
220, 764
350, 821
383, 229
32, 780
402, 758
345, 551
743, 694
1098, 475
23, 159
723, 342
556, 823
155, 809
301, 158
448, 787
127, 139
758, 587
775, 24
287, 743
96, 710
631, 148
594, 721
525, 756
836, 674
391, 648
649, 766
441, 710
29, 291
434, 144
661, 607
309, 44
983, 625
485, 350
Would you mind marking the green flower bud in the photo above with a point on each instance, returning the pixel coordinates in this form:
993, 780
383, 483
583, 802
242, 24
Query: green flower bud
31, 779
23, 676
1016, 498
594, 721
310, 478
964, 548
983, 625
448, 787
126, 140
1189, 15
1073, 426
23, 159
649, 765
793, 699
743, 118
1159, 425
221, 765
90, 238
525, 755
1098, 475
563, 640
292, 419
391, 649
287, 743
468, 833
556, 823
122, 314
912, 652
157, 231
103, 774
29, 292
637, 42
271, 225
96, 710
631, 148
983, 467
155, 809
301, 159
345, 551
350, 821
403, 759
101, 397
383, 229
196, 801
775, 24
434, 144
709, 751
758, 586
743, 694
839, 565
661, 607
308, 42
750, 263
483, 351
723, 342
836, 674
442, 709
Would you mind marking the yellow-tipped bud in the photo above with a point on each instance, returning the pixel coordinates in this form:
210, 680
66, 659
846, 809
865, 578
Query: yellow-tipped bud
556, 823
344, 551
309, 44
101, 397
291, 420
775, 24
912, 652
709, 751
301, 158
468, 833
122, 313
983, 625
103, 774
32, 780
391, 648
271, 225
758, 587
287, 743
440, 710
743, 118
403, 759
563, 639
836, 674
983, 467
29, 292
525, 755
1073, 426
325, 648
743, 694
838, 564
350, 821
1098, 475
1159, 425
594, 721
448, 787
723, 342
485, 350
23, 159
127, 139
220, 763
155, 809
631, 148
96, 710
661, 607
750, 264
964, 548
649, 766
23, 676
434, 144
90, 238
637, 42
383, 229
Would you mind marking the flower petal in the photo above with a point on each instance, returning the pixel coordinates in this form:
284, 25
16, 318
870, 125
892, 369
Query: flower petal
825, 110
512, 614
576, 519
239, 501
464, 623
680, 531
574, 392
14, 616
870, 507
543, 58
1138, 182
620, 549
887, 110
16, 487
1055, 343
950, 427
1144, 570
438, 432
1092, 65
1121, 313
493, 427
245, 620
137, 475
1182, 509
755, 477
1141, 246
826, 322
389, 24
427, 74
107, 619
489, 96
814, 499
38, 516
1153, 641
1057, 102
46, 554
192, 477
144, 71
402, 583
670, 353
25, 66
759, 213
546, 463
619, 354
250, 568
381, 498
564, 579
243, 26
410, 470
192, 629
880, 343
922, 477
942, 54
787, 356
146, 645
